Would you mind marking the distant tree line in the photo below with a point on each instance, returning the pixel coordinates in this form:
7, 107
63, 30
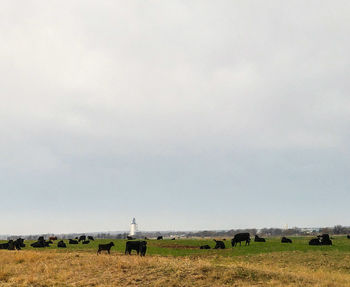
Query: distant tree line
336, 230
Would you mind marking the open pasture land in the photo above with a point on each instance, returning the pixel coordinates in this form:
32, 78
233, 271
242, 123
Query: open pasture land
181, 263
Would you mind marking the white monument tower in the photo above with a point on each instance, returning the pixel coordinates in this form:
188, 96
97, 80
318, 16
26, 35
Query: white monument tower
133, 227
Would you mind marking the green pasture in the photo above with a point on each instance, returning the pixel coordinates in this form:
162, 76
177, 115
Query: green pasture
184, 247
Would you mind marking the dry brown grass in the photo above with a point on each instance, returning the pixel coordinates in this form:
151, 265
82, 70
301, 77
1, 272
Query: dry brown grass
52, 268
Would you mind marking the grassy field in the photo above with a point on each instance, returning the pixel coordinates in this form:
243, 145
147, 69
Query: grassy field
181, 263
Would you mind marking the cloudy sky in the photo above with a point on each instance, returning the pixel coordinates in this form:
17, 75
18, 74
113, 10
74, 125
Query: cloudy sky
184, 114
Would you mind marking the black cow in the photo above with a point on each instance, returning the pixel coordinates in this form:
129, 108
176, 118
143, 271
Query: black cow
314, 241
10, 245
86, 242
259, 239
39, 244
82, 238
219, 244
106, 247
239, 238
160, 238
325, 240
19, 242
139, 246
348, 237
61, 244
91, 238
72, 241
130, 238
286, 240
204, 247
173, 238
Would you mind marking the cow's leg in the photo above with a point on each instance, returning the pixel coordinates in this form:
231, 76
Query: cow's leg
109, 251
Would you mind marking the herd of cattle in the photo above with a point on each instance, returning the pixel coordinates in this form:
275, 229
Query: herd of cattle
141, 246
323, 239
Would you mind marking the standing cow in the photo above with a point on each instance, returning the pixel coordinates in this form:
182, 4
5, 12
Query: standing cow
139, 246
106, 247
239, 238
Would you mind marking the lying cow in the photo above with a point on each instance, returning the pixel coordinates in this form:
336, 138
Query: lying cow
204, 247
10, 245
259, 239
139, 246
286, 240
91, 238
52, 238
239, 238
82, 238
315, 241
19, 243
86, 242
61, 244
106, 247
321, 240
219, 244
40, 244
325, 240
72, 241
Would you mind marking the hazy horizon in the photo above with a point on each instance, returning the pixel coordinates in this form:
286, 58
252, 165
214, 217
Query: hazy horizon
187, 115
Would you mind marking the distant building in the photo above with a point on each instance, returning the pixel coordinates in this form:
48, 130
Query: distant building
133, 227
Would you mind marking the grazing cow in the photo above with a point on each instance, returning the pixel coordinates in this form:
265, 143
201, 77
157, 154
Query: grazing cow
219, 244
61, 244
139, 246
173, 238
86, 242
259, 239
286, 240
106, 247
130, 238
160, 238
239, 238
82, 238
72, 241
52, 238
204, 247
91, 238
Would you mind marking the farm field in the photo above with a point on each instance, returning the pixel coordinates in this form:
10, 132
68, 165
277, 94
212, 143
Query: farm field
181, 263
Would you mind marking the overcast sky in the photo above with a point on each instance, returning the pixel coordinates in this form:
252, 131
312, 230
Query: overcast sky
184, 114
